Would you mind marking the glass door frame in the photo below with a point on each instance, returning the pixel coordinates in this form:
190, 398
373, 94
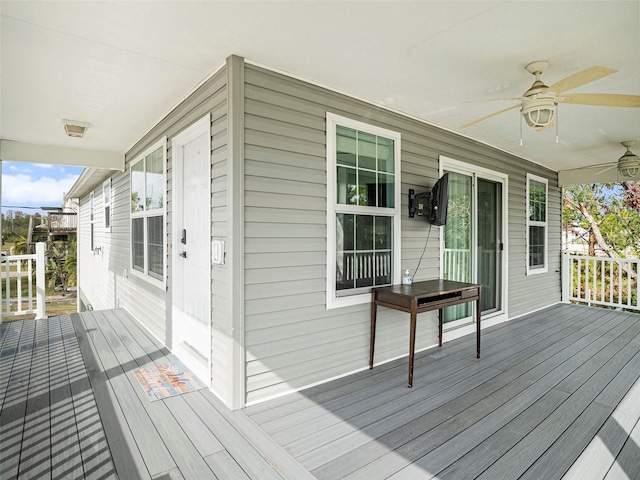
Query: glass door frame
457, 166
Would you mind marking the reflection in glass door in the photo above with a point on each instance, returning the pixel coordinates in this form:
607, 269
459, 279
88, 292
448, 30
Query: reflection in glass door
473, 240
458, 237
489, 243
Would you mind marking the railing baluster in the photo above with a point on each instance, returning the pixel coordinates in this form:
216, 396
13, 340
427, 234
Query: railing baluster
594, 288
586, 279
619, 283
611, 268
579, 278
30, 283
594, 275
33, 301
602, 262
629, 286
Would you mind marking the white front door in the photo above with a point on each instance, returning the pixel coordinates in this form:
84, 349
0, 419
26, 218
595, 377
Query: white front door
191, 219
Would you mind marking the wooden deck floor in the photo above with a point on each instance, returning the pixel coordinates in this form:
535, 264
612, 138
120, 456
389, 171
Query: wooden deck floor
72, 408
555, 395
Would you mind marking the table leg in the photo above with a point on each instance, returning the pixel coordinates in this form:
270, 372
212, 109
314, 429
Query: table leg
412, 340
372, 338
440, 319
478, 327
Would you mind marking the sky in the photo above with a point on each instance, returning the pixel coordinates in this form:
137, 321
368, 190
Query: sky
35, 185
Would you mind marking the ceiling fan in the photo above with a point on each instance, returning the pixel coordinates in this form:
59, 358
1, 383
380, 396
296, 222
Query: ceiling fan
628, 164
539, 104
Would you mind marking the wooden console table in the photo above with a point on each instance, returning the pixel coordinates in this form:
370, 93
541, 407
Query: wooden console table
423, 297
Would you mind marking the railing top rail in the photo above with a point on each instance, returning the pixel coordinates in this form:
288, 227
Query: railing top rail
591, 257
10, 258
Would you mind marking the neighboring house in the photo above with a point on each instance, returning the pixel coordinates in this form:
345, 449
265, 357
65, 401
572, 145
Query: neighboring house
575, 239
250, 223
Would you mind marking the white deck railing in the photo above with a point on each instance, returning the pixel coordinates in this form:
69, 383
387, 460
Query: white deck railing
611, 282
18, 273
457, 264
366, 266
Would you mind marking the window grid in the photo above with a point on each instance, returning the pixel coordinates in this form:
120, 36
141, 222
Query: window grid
364, 211
106, 203
148, 184
537, 204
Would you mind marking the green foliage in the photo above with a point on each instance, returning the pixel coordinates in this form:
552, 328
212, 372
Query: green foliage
612, 208
458, 233
15, 225
71, 262
19, 245
61, 265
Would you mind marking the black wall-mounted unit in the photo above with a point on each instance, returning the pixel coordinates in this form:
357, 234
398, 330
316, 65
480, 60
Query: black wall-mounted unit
418, 203
433, 204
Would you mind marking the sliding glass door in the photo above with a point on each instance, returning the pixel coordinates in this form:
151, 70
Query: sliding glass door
473, 236
489, 245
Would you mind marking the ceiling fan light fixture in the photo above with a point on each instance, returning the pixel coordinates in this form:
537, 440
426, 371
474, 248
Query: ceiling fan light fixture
629, 163
540, 111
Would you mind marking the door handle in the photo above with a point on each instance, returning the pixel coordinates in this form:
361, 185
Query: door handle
184, 236
183, 254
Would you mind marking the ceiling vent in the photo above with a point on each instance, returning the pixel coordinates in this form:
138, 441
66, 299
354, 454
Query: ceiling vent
74, 128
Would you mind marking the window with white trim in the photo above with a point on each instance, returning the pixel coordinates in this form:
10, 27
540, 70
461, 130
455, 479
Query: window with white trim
363, 210
148, 187
106, 204
537, 237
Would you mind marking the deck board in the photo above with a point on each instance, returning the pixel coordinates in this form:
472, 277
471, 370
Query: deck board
446, 403
179, 438
627, 460
35, 452
600, 455
47, 398
148, 441
191, 436
72, 408
231, 432
554, 396
65, 442
383, 387
172, 448
545, 386
17, 358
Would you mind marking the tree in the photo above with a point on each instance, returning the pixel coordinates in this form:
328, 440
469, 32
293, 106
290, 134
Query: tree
609, 214
61, 265
632, 195
19, 245
56, 274
15, 224
70, 263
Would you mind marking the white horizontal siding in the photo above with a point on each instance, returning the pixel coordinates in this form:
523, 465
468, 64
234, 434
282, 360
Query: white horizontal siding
106, 280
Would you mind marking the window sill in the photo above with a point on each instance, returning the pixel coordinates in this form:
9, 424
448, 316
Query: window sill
537, 271
147, 279
340, 302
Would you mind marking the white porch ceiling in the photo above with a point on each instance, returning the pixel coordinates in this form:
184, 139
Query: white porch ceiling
121, 66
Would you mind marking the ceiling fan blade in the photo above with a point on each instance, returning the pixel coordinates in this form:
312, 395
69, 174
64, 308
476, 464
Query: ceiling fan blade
605, 170
478, 120
602, 99
581, 78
